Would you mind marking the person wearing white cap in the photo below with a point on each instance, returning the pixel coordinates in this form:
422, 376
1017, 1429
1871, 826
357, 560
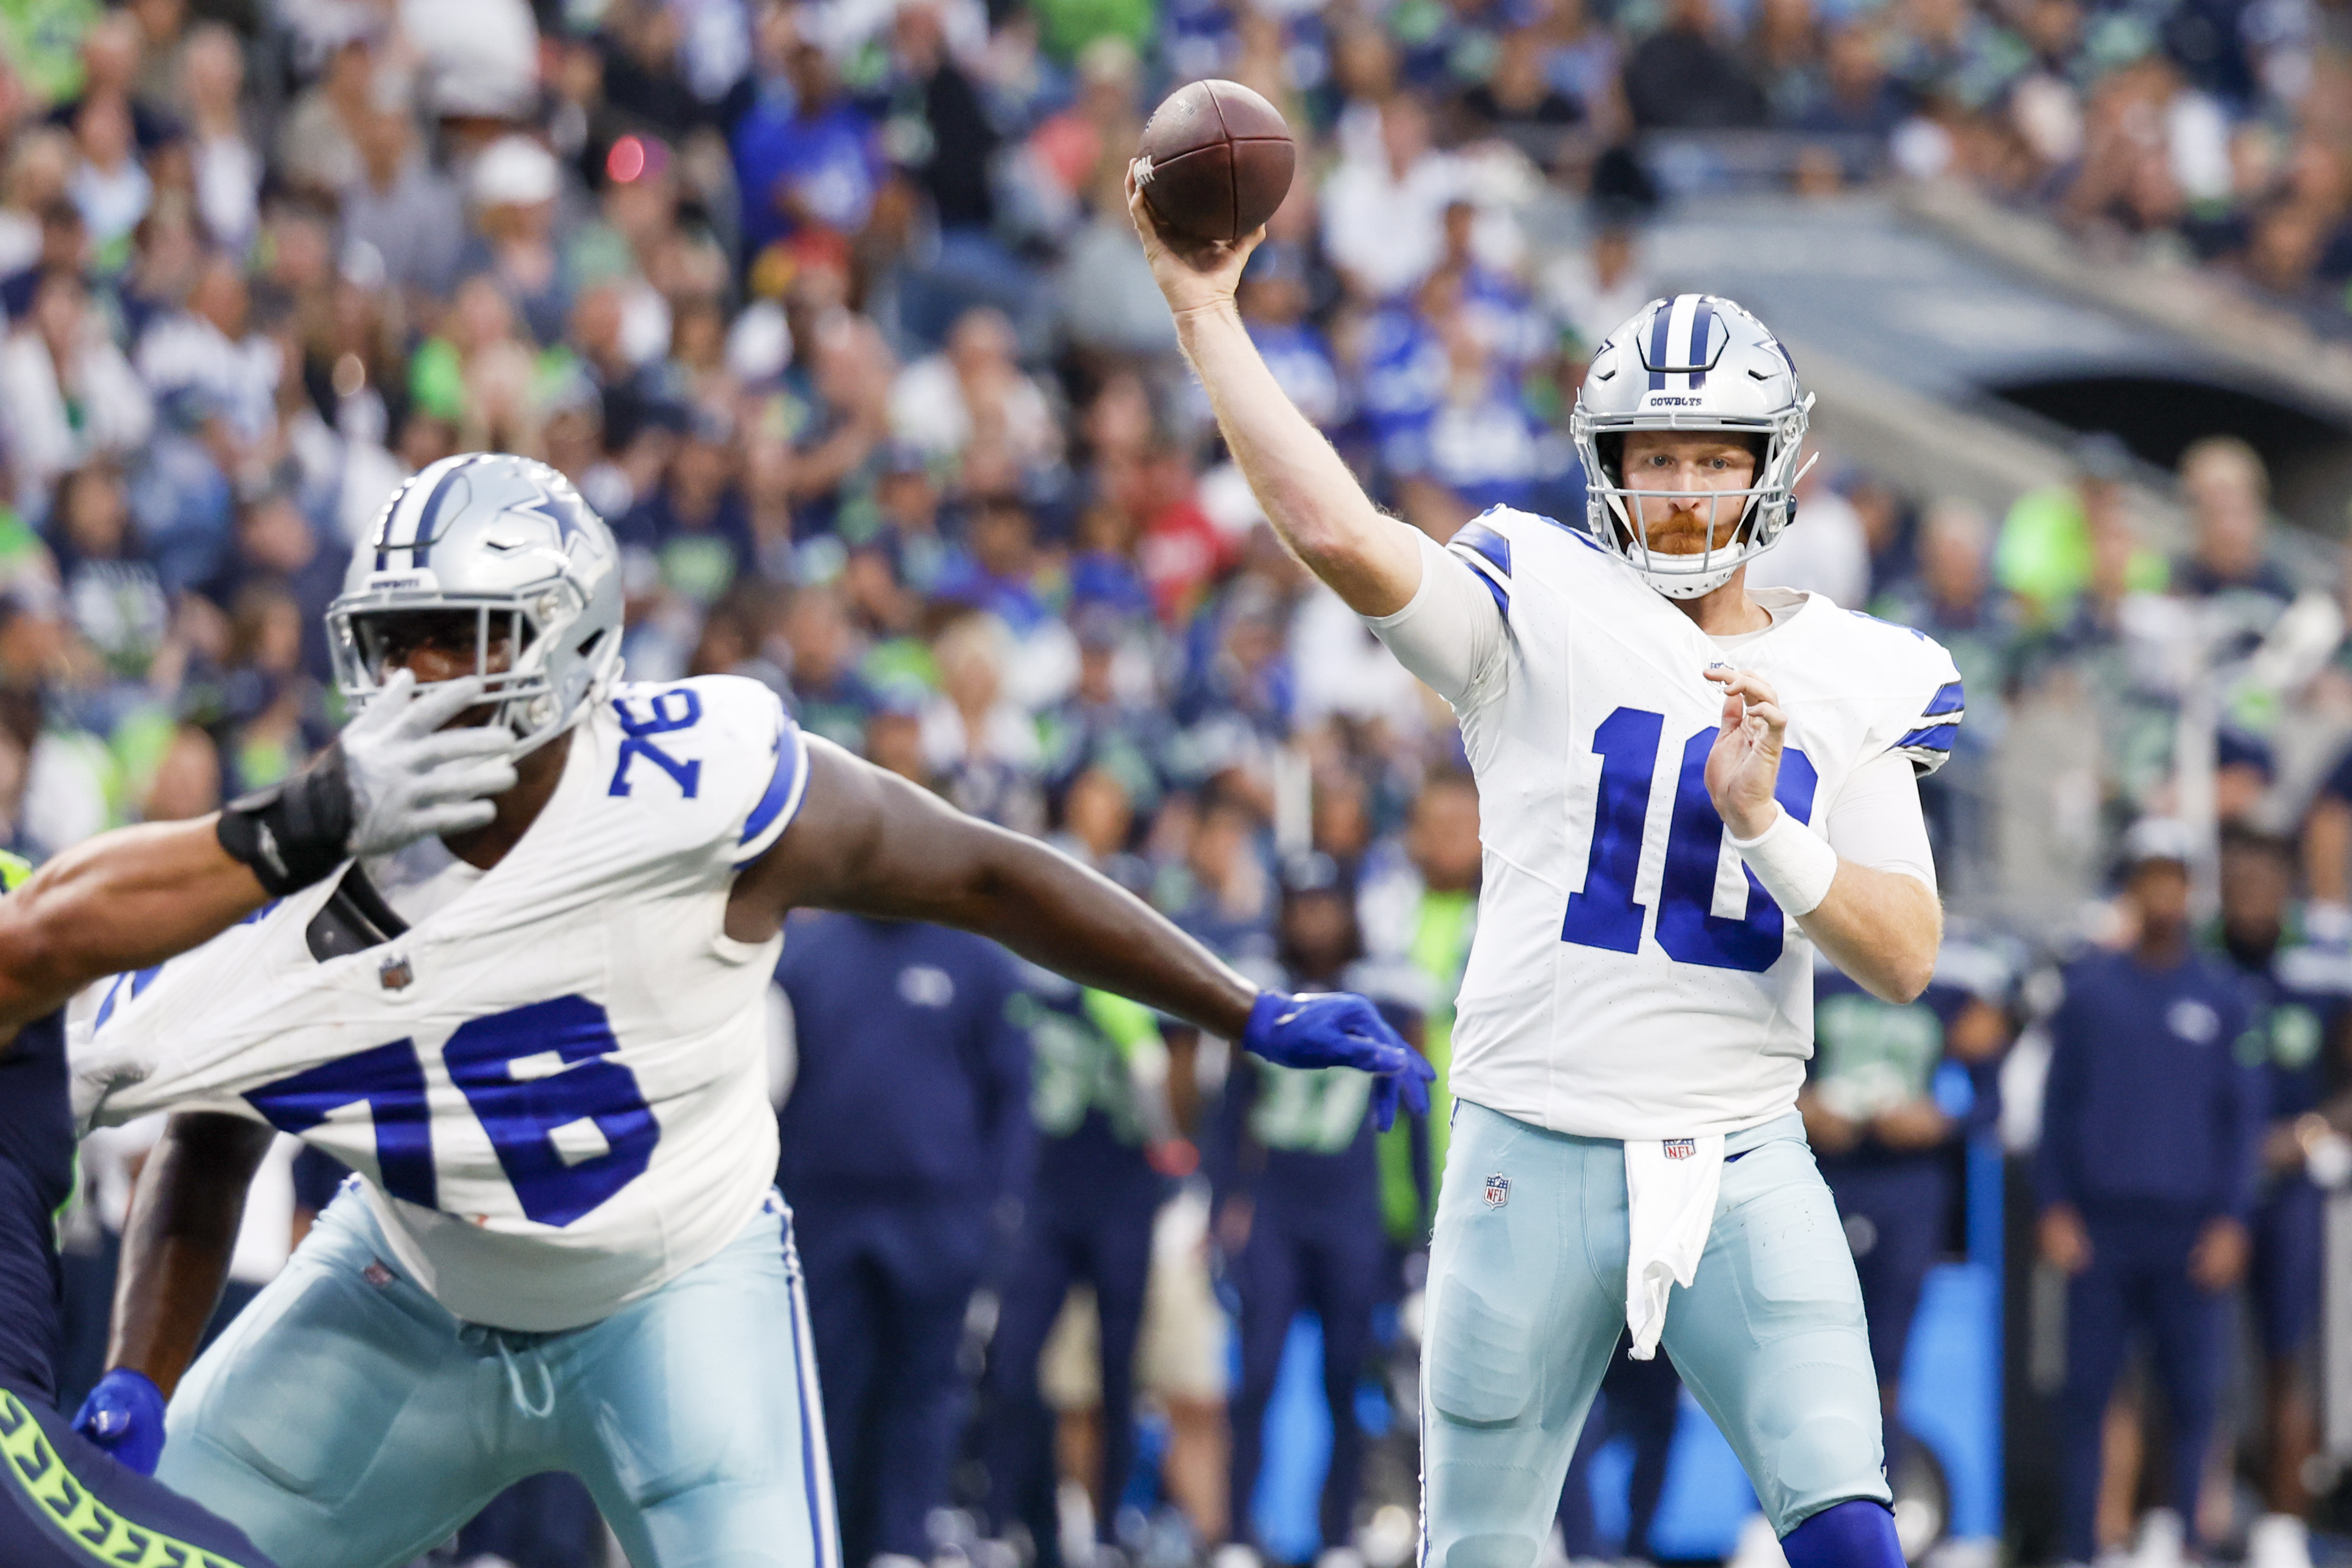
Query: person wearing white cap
514, 186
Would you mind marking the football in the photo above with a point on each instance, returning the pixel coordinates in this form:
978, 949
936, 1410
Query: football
1216, 161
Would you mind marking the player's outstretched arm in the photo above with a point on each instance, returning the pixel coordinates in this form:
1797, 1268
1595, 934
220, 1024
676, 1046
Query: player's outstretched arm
121, 901
1370, 560
135, 896
869, 843
1883, 928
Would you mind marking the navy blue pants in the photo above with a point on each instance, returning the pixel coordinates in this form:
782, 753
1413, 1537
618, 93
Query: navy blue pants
547, 1520
1640, 1400
1894, 1215
1329, 1261
889, 1285
64, 1504
2136, 1285
1101, 1236
2284, 1280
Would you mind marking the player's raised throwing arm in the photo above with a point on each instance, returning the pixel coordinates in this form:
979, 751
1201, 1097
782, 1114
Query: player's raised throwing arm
1370, 560
868, 842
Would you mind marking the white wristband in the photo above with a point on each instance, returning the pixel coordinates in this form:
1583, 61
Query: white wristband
1795, 864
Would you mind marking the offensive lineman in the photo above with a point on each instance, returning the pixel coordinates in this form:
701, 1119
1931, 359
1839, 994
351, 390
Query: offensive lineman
1636, 1012
544, 1043
125, 900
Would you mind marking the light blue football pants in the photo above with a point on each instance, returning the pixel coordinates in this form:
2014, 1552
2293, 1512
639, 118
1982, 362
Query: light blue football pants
346, 1420
1527, 1304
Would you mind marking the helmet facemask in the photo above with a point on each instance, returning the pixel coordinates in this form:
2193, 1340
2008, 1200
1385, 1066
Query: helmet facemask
1766, 504
508, 638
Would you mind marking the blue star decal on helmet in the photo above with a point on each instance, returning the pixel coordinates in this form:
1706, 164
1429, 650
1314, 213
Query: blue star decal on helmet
545, 503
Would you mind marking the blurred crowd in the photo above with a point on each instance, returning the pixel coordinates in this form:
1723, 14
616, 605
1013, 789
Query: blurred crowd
833, 309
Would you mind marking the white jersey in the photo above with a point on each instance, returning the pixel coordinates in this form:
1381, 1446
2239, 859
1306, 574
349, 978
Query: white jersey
1628, 979
553, 1083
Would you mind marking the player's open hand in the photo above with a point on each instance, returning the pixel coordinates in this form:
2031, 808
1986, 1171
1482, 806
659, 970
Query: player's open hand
1745, 765
415, 771
1194, 275
1339, 1029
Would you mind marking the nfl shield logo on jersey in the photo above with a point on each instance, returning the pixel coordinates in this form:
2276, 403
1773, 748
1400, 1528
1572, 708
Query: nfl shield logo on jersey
1498, 1191
1681, 1148
396, 975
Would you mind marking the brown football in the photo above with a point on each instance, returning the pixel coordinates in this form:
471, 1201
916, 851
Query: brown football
1216, 161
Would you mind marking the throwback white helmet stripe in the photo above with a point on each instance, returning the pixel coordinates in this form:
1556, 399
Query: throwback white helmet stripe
1697, 362
509, 540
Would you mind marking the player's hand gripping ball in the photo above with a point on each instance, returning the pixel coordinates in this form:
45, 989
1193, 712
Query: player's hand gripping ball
1339, 1029
1216, 161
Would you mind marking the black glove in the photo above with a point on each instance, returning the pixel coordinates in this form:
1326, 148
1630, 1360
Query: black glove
398, 773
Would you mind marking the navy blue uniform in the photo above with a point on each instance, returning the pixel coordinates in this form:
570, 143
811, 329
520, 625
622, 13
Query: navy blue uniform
1869, 1056
36, 1153
62, 1502
904, 1129
1640, 1401
2304, 993
1299, 1146
2150, 1123
1087, 1217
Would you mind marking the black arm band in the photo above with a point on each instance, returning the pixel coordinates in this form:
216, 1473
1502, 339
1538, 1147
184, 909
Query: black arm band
293, 833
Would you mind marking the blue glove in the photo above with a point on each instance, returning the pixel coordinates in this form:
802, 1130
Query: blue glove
1340, 1029
125, 1415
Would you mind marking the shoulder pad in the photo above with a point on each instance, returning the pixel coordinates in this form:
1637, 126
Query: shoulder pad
725, 742
1933, 697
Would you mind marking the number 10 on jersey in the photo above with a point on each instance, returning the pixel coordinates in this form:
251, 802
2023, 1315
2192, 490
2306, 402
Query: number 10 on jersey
1605, 915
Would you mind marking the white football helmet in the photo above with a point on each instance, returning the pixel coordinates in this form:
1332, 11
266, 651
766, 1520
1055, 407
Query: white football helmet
509, 540
1696, 362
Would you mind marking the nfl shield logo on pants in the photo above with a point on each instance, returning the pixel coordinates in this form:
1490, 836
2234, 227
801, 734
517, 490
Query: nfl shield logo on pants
1498, 1191
1681, 1148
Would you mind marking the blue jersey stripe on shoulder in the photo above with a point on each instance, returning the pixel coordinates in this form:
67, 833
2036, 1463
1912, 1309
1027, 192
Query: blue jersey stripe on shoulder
1475, 535
783, 786
1937, 738
1949, 698
1497, 580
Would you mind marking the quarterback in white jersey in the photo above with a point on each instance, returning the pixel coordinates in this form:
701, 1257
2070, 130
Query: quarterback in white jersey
543, 1046
1686, 788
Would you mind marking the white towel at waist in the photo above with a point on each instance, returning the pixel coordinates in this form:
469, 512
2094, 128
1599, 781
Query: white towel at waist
1670, 1192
